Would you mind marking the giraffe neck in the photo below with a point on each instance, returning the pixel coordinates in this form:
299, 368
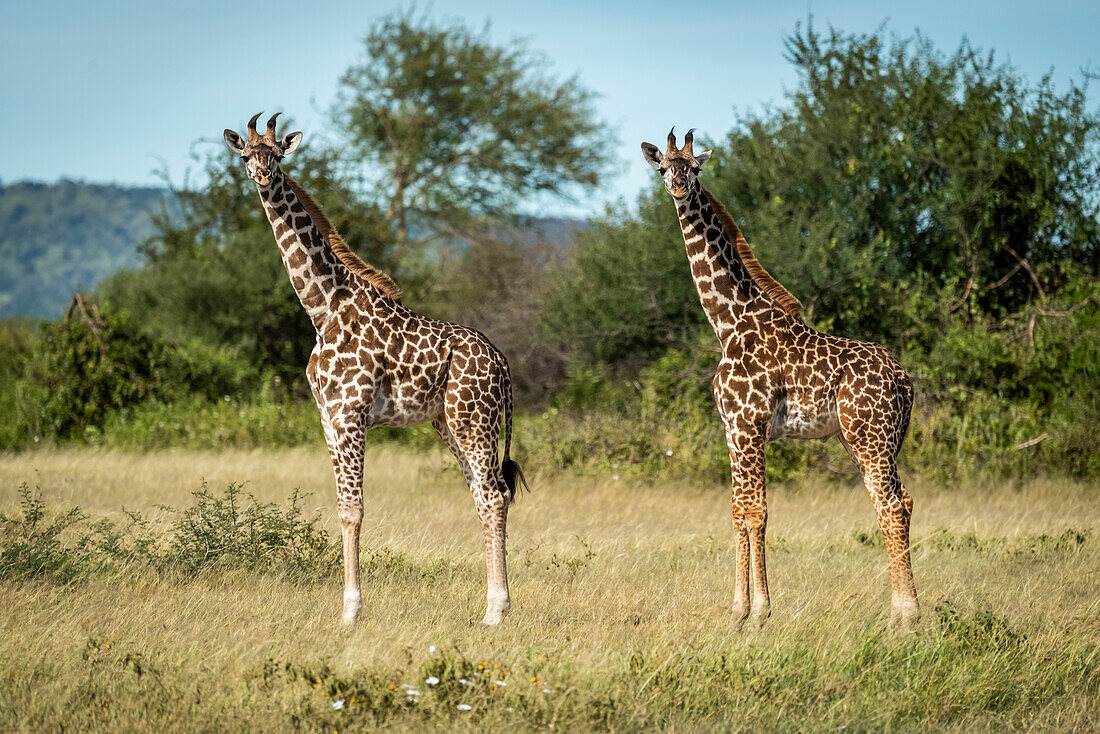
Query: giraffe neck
730, 297
314, 270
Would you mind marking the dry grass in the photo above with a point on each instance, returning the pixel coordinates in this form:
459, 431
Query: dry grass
621, 599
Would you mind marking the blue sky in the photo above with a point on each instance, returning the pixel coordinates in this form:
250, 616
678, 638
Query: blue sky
110, 90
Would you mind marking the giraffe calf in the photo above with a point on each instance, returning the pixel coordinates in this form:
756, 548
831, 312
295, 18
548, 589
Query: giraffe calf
780, 378
377, 363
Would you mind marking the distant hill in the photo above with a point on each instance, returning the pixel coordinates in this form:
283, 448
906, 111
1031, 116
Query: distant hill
57, 238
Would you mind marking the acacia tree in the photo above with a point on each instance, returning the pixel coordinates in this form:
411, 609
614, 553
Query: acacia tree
458, 127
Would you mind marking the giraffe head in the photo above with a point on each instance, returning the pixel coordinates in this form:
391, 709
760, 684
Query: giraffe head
261, 153
679, 168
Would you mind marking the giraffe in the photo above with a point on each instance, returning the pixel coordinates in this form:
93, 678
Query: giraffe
780, 378
377, 363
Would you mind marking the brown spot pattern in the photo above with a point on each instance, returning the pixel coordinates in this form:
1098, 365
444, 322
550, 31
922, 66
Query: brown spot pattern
780, 378
377, 363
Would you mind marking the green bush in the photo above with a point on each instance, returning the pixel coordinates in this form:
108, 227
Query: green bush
31, 546
227, 530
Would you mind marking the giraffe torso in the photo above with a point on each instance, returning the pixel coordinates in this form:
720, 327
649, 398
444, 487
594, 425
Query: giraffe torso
375, 361
775, 370
378, 359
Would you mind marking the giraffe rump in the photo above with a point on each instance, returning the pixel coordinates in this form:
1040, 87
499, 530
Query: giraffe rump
355, 265
761, 277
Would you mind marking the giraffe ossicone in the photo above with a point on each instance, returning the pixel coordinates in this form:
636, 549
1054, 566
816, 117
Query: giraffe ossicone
378, 363
778, 378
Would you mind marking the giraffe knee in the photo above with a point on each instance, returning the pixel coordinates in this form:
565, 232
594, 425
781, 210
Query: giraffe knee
350, 511
749, 515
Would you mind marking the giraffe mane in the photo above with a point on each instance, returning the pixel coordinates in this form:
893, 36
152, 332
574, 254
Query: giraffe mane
761, 277
355, 264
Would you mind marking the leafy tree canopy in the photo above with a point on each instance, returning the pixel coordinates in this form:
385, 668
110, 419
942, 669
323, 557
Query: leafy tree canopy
457, 126
897, 189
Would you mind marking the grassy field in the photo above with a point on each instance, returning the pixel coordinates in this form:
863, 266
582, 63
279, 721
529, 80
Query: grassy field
621, 594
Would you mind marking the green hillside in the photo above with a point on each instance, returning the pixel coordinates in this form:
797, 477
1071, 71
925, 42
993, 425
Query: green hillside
57, 238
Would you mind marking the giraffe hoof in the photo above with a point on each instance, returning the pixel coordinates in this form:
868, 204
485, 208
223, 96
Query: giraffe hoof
760, 615
494, 618
740, 614
904, 614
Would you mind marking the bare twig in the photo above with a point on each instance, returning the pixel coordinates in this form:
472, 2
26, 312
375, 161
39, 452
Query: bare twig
94, 322
1008, 275
1026, 444
1027, 266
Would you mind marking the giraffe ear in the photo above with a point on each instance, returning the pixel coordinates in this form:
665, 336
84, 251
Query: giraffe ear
652, 154
233, 140
290, 142
702, 158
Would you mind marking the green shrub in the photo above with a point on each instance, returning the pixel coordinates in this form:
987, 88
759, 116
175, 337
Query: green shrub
32, 546
229, 530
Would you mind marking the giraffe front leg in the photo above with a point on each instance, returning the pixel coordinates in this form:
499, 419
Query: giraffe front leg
346, 448
741, 589
757, 520
750, 520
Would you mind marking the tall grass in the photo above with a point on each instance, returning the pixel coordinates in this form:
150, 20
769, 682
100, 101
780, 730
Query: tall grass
621, 594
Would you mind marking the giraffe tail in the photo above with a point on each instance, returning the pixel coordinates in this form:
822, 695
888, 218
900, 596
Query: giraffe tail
509, 468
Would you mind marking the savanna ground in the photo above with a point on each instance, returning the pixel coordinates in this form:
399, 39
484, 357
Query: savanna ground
621, 595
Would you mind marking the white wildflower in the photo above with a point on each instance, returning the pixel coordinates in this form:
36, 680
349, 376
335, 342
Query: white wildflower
615, 477
668, 453
464, 707
547, 690
338, 704
501, 682
431, 649
465, 682
431, 680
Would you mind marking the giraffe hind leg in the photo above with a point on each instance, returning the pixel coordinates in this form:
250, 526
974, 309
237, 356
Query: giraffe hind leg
875, 452
472, 435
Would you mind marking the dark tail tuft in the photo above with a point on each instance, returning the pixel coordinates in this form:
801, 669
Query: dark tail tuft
512, 472
509, 468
